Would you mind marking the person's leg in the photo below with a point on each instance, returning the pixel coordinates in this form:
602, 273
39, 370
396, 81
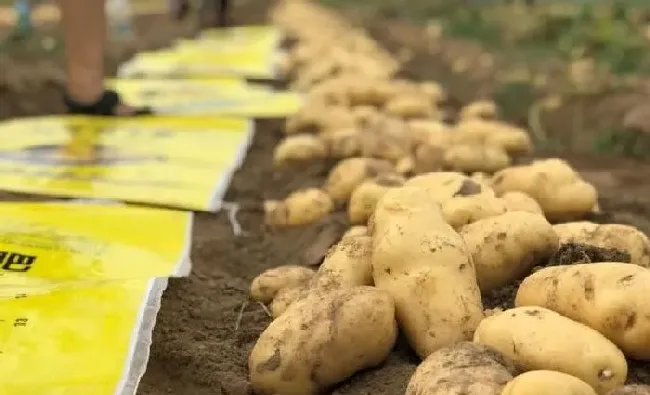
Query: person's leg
84, 30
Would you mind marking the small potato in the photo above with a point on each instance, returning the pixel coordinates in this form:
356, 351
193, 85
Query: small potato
462, 369
428, 158
481, 109
443, 186
286, 297
410, 106
365, 197
463, 210
506, 247
519, 201
350, 173
633, 389
547, 382
265, 286
389, 140
469, 158
433, 90
608, 297
513, 140
429, 131
347, 265
558, 189
322, 340
620, 237
343, 143
299, 148
536, 338
299, 208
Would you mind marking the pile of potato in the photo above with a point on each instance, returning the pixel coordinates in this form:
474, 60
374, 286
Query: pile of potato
439, 217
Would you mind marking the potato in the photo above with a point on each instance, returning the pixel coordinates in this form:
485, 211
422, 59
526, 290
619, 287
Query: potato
286, 297
299, 208
322, 340
347, 265
433, 90
513, 140
443, 186
558, 189
428, 158
343, 143
424, 265
481, 109
633, 389
265, 286
462, 369
389, 140
299, 148
547, 382
350, 173
470, 158
608, 297
620, 237
519, 201
408, 107
365, 197
506, 247
536, 338
463, 210
356, 230
429, 131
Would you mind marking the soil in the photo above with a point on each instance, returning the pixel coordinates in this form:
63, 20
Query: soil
206, 325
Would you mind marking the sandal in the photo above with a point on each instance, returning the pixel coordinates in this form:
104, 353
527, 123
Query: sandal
105, 106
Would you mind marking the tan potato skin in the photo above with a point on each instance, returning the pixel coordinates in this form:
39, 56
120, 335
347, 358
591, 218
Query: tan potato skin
547, 382
633, 389
506, 247
322, 340
443, 186
286, 297
622, 237
265, 286
470, 158
350, 173
299, 208
424, 265
519, 201
608, 297
536, 338
299, 148
463, 210
462, 369
365, 197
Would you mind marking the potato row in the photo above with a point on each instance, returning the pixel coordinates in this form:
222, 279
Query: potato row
427, 243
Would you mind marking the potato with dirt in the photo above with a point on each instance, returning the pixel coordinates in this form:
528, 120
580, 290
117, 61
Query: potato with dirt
620, 237
266, 286
469, 158
348, 174
424, 265
302, 147
462, 369
365, 197
632, 389
443, 186
559, 190
547, 382
536, 338
608, 297
506, 247
519, 201
299, 208
464, 210
322, 340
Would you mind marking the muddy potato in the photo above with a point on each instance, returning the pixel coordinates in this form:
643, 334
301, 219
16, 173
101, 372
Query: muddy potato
608, 297
469, 158
265, 286
536, 338
559, 190
350, 173
322, 340
547, 382
299, 208
443, 186
506, 247
617, 236
462, 369
463, 210
365, 197
299, 148
633, 389
519, 201
424, 265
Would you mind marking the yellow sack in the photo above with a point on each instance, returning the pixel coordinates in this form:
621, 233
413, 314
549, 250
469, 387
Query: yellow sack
52, 245
184, 162
207, 97
78, 340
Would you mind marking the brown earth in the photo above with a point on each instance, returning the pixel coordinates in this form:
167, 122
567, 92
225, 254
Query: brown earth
207, 325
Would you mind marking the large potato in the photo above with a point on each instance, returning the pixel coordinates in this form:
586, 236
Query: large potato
424, 265
536, 338
559, 190
322, 340
547, 382
620, 237
462, 369
350, 173
608, 297
265, 286
506, 247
